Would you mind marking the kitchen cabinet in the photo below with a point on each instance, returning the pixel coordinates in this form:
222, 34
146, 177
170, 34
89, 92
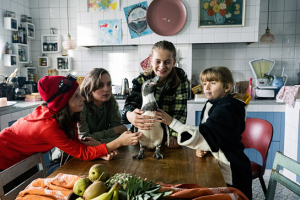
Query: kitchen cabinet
30, 73
22, 50
63, 63
44, 61
30, 29
10, 23
10, 60
51, 43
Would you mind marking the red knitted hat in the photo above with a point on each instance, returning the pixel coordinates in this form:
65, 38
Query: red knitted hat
48, 86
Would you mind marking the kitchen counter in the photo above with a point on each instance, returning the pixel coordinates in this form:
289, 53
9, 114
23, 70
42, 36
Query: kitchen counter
19, 106
23, 105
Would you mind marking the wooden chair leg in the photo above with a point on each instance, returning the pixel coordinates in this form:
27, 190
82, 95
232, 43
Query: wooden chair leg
263, 185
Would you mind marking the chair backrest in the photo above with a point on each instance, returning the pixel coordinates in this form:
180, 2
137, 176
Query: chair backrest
18, 169
258, 135
289, 164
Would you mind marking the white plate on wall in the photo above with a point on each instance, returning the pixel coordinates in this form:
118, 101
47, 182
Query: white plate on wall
9, 104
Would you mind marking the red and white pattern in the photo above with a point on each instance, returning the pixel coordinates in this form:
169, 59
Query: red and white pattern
288, 94
145, 64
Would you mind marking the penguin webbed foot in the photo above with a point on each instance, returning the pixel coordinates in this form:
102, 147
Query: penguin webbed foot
157, 154
140, 155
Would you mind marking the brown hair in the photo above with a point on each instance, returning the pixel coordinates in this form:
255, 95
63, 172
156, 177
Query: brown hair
91, 83
220, 74
166, 45
66, 120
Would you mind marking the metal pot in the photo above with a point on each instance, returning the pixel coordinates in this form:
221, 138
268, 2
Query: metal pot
125, 87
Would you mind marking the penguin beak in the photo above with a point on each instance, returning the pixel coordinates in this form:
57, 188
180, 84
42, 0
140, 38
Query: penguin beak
155, 79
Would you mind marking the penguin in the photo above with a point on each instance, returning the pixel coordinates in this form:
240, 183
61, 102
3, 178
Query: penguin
152, 138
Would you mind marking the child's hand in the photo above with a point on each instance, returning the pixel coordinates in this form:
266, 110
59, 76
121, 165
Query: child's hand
142, 122
200, 153
128, 138
88, 141
173, 143
163, 117
110, 155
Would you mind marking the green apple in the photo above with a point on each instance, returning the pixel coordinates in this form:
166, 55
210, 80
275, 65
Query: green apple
81, 185
96, 171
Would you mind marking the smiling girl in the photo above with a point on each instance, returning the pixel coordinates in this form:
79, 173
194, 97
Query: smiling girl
171, 92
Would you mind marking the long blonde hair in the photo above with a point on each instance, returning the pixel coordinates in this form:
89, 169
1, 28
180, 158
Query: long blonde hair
220, 74
165, 45
91, 83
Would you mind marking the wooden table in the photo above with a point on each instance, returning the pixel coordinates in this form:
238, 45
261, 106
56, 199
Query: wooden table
179, 165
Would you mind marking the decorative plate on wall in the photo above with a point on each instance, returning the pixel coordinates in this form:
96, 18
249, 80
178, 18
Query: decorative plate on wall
166, 17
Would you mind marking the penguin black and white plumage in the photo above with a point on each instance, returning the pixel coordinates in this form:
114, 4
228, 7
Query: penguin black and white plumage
152, 138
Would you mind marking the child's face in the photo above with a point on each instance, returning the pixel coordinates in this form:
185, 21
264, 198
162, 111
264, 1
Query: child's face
214, 89
162, 62
76, 102
103, 93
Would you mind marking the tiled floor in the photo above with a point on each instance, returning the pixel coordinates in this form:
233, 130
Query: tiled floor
280, 194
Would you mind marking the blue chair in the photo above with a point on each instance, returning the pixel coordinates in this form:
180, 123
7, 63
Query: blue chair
289, 164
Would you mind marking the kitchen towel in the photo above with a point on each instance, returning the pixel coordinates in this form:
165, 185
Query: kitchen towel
58, 188
196, 192
288, 94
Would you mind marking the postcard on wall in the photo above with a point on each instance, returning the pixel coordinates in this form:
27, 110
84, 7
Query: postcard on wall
221, 13
103, 5
109, 31
136, 19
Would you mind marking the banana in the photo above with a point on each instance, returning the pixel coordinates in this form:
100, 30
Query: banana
116, 195
107, 195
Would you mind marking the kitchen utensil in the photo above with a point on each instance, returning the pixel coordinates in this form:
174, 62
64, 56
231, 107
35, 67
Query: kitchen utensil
260, 68
249, 90
12, 75
278, 81
166, 17
125, 87
282, 71
31, 85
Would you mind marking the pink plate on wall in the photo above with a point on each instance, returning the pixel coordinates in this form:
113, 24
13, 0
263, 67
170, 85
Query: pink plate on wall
166, 17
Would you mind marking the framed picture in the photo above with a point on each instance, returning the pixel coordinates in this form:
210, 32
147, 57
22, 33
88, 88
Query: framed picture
109, 31
221, 13
103, 5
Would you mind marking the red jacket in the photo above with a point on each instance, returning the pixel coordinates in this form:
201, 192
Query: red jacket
40, 132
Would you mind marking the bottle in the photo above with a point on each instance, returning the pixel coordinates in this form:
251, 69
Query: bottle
66, 64
24, 36
20, 34
45, 46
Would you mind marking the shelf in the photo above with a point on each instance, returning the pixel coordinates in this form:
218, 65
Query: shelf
29, 72
19, 50
51, 42
10, 60
44, 62
10, 23
63, 63
30, 29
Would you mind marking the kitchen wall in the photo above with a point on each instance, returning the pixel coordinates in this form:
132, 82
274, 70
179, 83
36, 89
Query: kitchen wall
20, 7
284, 24
123, 61
120, 61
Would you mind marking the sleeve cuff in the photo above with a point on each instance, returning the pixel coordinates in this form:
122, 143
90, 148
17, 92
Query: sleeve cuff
176, 125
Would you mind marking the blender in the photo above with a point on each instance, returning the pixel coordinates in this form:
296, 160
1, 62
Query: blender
260, 68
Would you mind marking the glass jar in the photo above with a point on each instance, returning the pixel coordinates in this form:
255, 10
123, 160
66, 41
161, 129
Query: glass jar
8, 13
12, 14
29, 19
23, 18
45, 46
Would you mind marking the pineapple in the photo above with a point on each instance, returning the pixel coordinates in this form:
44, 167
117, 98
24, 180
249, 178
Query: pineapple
136, 187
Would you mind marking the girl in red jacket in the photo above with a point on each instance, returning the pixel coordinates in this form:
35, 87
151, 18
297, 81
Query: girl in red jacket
53, 124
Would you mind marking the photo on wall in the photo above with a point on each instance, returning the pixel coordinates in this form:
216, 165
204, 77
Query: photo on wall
221, 13
136, 19
109, 31
103, 5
